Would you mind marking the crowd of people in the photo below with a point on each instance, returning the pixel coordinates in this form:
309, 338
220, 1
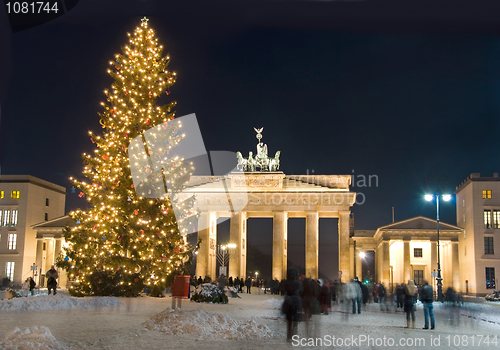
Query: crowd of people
305, 297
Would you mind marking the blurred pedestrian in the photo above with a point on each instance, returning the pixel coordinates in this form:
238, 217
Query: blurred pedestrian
355, 294
292, 303
409, 302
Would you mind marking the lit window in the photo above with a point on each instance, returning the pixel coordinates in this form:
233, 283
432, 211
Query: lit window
487, 218
13, 218
488, 245
496, 218
14, 194
464, 217
417, 252
463, 202
490, 278
1, 194
9, 270
6, 214
12, 242
486, 194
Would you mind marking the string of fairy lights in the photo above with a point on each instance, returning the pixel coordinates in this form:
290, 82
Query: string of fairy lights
122, 230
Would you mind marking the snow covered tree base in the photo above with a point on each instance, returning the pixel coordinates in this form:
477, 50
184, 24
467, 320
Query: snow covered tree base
209, 293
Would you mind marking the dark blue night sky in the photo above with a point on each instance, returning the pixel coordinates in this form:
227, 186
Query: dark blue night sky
342, 87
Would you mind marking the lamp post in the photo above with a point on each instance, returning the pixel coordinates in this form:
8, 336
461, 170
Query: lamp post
446, 198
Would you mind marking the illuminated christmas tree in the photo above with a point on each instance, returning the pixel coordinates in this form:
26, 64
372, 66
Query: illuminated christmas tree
126, 241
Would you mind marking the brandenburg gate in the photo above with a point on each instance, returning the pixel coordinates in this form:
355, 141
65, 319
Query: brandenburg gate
259, 190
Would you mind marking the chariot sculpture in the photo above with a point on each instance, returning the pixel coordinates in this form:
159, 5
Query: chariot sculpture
261, 161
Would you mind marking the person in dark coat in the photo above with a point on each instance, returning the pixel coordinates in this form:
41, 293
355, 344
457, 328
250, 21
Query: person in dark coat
324, 297
310, 293
366, 294
426, 297
52, 275
400, 291
292, 303
248, 284
32, 286
199, 281
237, 284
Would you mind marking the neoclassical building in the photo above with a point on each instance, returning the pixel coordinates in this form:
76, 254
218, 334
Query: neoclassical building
25, 201
478, 214
271, 195
407, 250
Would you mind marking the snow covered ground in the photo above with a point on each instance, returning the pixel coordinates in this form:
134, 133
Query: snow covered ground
252, 322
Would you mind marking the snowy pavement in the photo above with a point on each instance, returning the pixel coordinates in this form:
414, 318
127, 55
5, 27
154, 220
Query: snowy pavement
252, 322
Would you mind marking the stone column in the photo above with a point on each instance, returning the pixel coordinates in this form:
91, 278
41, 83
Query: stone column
352, 256
312, 240
433, 262
237, 236
455, 266
205, 261
344, 253
386, 264
57, 248
359, 265
406, 261
280, 223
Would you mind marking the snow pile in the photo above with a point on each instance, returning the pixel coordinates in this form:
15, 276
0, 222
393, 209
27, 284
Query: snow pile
206, 325
272, 304
55, 302
33, 338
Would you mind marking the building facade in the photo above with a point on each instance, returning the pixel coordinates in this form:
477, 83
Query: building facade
25, 201
478, 213
407, 250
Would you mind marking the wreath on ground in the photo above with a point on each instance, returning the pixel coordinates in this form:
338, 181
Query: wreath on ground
209, 293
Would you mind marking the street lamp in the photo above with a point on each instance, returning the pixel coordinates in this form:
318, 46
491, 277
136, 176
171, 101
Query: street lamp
446, 198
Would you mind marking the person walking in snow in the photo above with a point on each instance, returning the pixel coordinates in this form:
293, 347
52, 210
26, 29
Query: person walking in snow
25, 287
52, 277
292, 303
248, 284
355, 294
237, 284
32, 286
409, 303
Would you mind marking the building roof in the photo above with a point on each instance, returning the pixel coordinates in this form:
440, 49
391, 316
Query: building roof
59, 222
419, 223
32, 180
476, 177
